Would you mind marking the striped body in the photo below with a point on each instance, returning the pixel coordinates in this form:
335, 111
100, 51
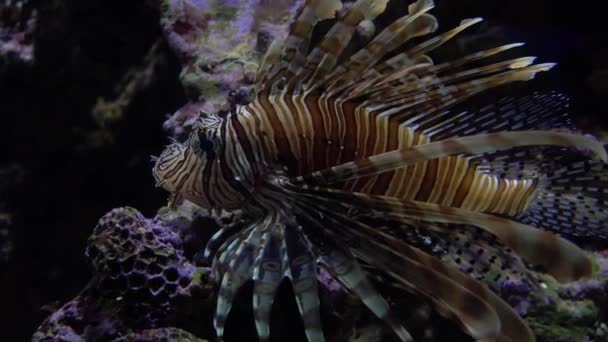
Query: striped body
449, 181
295, 136
348, 159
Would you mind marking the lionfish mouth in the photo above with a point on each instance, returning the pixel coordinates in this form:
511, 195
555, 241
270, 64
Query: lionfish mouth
157, 178
159, 183
162, 182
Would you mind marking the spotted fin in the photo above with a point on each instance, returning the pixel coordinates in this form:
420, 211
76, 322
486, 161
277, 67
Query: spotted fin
558, 257
480, 254
472, 250
475, 306
481, 312
572, 200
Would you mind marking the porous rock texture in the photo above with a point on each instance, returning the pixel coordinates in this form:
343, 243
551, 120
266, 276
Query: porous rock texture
142, 282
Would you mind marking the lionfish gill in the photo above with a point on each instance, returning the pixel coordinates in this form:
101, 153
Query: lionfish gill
351, 157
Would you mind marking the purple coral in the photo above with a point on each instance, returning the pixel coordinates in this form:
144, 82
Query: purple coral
161, 334
81, 319
183, 22
180, 123
16, 30
219, 45
141, 281
139, 261
516, 292
594, 288
87, 319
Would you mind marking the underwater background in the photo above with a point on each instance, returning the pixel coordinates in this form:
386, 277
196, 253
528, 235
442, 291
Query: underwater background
86, 89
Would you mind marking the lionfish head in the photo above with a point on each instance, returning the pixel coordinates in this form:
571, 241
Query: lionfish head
180, 167
167, 168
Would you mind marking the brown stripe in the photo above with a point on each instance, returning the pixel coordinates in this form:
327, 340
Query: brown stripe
350, 137
300, 132
280, 136
464, 187
319, 140
226, 170
429, 181
499, 194
243, 139
446, 176
527, 199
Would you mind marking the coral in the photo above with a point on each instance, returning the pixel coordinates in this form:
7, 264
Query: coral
162, 334
180, 123
81, 319
82, 51
139, 261
141, 281
562, 320
599, 333
145, 278
110, 110
195, 226
146, 287
561, 312
517, 293
17, 23
594, 288
10, 177
88, 319
569, 312
219, 44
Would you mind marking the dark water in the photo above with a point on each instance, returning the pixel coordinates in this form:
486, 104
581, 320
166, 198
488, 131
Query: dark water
57, 179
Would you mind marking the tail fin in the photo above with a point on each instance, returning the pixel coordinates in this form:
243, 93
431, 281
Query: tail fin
572, 200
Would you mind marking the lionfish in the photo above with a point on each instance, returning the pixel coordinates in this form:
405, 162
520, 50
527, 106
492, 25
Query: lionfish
351, 157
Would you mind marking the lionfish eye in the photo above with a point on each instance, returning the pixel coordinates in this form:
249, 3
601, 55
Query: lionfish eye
170, 152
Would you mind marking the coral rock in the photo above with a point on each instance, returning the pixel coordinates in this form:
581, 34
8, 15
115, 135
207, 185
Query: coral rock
17, 24
139, 261
81, 319
163, 334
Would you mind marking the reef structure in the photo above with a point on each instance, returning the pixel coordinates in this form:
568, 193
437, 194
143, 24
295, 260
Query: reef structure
17, 24
148, 275
142, 282
149, 283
